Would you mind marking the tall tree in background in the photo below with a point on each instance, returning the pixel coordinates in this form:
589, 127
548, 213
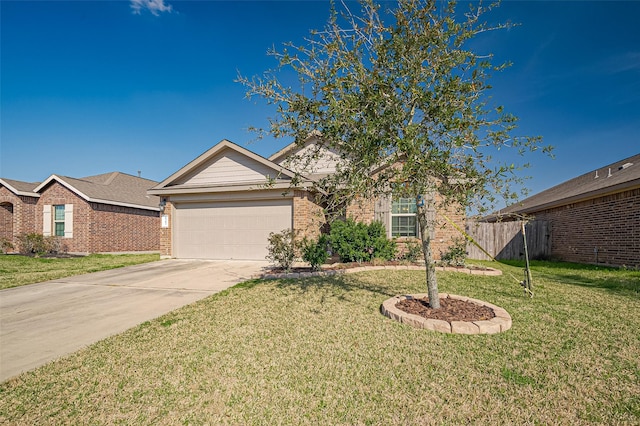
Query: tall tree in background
401, 97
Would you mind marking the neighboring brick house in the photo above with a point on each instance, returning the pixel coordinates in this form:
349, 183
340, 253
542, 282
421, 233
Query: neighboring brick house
17, 208
219, 207
594, 218
96, 214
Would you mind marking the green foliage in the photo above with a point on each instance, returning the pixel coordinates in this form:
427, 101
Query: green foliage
358, 242
283, 248
412, 251
403, 90
5, 245
323, 340
400, 88
456, 254
315, 252
38, 244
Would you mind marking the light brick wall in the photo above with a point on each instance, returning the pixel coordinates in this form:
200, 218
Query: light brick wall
445, 234
308, 217
166, 234
610, 224
362, 210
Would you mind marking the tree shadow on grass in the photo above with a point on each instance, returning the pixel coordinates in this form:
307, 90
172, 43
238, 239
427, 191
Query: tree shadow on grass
618, 281
339, 283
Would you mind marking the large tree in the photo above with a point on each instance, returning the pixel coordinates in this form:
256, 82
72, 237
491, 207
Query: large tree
402, 98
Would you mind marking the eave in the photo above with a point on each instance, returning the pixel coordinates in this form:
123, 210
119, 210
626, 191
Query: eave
85, 197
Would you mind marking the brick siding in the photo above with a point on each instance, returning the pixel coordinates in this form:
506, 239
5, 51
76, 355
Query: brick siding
17, 215
166, 234
308, 217
362, 210
6, 221
102, 227
447, 235
603, 230
116, 229
444, 236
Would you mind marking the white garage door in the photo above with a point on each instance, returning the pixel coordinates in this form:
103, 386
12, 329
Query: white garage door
228, 230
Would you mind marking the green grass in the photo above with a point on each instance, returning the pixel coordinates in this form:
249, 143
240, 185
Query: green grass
318, 351
21, 270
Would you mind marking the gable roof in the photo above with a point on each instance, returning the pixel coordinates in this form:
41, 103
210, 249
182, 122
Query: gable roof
280, 155
616, 177
20, 188
324, 163
113, 188
251, 171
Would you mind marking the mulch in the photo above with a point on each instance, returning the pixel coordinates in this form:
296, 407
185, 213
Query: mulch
450, 310
334, 266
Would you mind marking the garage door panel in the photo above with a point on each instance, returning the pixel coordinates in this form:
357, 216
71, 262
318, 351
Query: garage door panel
229, 230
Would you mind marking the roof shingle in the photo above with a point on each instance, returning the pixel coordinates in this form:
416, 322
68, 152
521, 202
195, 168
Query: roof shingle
110, 188
615, 177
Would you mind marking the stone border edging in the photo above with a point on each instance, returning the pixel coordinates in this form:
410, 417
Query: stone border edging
296, 275
501, 322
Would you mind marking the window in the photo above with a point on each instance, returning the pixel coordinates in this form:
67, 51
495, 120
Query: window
403, 218
58, 220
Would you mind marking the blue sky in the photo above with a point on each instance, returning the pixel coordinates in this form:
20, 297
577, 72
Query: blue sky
89, 87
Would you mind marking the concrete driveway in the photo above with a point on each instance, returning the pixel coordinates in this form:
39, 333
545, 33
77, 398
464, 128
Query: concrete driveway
41, 322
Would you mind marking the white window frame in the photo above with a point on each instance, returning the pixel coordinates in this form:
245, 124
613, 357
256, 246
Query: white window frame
56, 220
49, 220
411, 210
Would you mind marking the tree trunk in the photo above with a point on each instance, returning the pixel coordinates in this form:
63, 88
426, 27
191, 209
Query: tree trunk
426, 215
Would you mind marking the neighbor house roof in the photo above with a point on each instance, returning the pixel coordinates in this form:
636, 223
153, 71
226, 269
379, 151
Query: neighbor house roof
616, 177
19, 187
113, 188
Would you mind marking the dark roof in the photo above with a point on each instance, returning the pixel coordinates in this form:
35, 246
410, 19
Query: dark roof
23, 188
109, 188
115, 187
616, 177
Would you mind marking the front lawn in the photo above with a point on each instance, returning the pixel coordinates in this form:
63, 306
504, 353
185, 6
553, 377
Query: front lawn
318, 351
18, 270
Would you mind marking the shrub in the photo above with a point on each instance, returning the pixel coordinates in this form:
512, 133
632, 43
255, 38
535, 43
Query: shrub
283, 248
412, 251
357, 242
315, 252
38, 244
5, 245
348, 240
456, 254
383, 248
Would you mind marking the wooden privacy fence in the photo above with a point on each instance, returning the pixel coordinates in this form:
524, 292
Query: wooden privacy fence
503, 240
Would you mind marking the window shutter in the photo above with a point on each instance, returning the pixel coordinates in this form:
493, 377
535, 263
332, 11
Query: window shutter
46, 220
68, 220
381, 212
